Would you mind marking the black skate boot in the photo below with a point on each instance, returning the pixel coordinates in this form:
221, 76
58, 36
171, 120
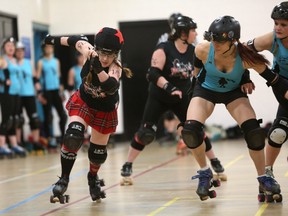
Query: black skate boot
206, 181
95, 185
269, 190
19, 151
58, 191
218, 169
126, 172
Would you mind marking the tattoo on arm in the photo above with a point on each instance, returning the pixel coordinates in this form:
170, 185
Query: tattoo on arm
154, 62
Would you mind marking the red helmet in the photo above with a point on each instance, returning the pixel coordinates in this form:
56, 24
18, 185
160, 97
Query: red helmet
109, 40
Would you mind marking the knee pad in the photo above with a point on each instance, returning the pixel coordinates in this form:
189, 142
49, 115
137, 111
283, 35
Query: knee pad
253, 134
74, 136
7, 125
207, 143
193, 133
19, 121
146, 134
97, 154
34, 123
137, 145
277, 134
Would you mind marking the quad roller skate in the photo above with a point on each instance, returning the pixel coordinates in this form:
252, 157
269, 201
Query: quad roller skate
269, 190
5, 152
181, 148
218, 169
58, 191
126, 172
206, 181
95, 185
18, 151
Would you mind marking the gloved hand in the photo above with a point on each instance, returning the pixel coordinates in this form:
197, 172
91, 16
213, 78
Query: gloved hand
95, 65
51, 40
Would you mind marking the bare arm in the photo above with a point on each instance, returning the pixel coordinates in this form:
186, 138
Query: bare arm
158, 60
264, 42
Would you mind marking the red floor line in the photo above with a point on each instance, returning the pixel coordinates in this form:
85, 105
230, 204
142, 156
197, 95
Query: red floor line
112, 186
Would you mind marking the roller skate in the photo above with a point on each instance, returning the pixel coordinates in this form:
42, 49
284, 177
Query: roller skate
218, 169
206, 181
181, 148
58, 191
95, 185
18, 151
269, 190
6, 152
126, 172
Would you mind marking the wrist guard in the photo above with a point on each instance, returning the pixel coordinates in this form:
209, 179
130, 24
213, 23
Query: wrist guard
72, 40
169, 88
245, 77
95, 65
51, 40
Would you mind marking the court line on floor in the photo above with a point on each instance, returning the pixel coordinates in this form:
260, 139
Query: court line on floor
262, 209
112, 186
177, 198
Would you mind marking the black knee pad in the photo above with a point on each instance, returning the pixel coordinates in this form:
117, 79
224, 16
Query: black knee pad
19, 121
97, 154
146, 134
193, 133
7, 125
277, 134
136, 145
34, 122
74, 136
208, 144
253, 134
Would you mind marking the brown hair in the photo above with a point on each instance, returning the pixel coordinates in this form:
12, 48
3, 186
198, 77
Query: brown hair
250, 56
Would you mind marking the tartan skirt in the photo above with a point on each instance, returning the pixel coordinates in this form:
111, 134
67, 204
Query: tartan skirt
103, 122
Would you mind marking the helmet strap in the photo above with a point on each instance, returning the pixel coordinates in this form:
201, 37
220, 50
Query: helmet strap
231, 44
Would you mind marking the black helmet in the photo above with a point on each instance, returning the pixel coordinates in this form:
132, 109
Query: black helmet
109, 40
280, 11
183, 23
172, 19
225, 28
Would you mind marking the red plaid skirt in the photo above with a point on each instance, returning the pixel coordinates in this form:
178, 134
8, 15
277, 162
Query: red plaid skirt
103, 122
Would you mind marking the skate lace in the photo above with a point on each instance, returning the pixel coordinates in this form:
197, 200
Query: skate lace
203, 176
269, 172
268, 181
61, 181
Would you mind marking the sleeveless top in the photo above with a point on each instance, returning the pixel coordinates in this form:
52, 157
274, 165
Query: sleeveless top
91, 94
27, 85
213, 79
14, 76
280, 60
177, 71
50, 75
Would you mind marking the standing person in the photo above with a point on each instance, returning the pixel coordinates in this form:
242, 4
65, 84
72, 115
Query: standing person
9, 101
74, 78
277, 43
219, 65
170, 80
27, 98
50, 91
94, 104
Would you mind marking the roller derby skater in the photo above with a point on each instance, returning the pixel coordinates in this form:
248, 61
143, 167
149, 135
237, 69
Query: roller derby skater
58, 190
206, 181
100, 77
126, 173
5, 152
19, 151
269, 190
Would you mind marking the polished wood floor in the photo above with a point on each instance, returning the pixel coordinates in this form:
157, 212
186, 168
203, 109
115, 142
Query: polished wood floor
162, 185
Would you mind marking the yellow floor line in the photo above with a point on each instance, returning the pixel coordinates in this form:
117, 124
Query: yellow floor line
262, 209
163, 207
233, 161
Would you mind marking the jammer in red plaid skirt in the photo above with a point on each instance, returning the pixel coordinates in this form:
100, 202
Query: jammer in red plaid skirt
103, 122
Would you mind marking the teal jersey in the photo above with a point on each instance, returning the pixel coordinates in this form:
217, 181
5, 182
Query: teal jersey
280, 60
213, 79
27, 85
50, 75
77, 76
2, 81
14, 76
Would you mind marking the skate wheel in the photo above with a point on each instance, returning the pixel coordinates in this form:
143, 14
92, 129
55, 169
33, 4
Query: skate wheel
67, 198
62, 199
126, 181
261, 197
203, 198
102, 182
216, 183
269, 198
279, 198
212, 194
52, 199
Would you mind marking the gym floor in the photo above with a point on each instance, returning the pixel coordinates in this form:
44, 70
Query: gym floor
162, 184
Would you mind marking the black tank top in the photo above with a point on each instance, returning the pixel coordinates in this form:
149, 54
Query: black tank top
177, 70
91, 95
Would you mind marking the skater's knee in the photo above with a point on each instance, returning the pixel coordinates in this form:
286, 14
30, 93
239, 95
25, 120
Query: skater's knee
193, 133
6, 125
253, 134
97, 154
74, 136
277, 135
34, 123
146, 134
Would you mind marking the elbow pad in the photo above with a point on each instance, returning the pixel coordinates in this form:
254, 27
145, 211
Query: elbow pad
250, 44
245, 77
153, 74
197, 62
110, 86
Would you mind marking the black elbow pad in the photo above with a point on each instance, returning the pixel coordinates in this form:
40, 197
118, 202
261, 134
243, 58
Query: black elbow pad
110, 86
153, 74
197, 62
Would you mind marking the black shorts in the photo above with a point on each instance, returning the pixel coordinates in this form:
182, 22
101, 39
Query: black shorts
217, 97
